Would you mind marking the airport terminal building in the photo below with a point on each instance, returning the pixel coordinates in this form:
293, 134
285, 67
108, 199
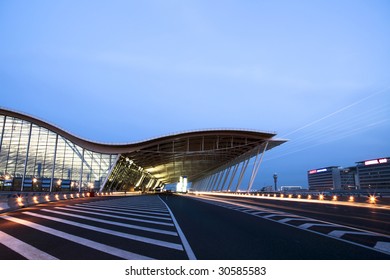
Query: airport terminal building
38, 156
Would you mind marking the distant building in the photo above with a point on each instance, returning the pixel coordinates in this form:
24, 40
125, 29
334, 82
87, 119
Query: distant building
348, 178
291, 188
374, 173
326, 178
368, 174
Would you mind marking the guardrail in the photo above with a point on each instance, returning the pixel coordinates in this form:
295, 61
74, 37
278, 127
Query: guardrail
377, 198
17, 200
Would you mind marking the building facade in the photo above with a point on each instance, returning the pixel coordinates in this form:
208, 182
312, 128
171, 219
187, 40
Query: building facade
38, 156
34, 158
374, 174
371, 174
324, 179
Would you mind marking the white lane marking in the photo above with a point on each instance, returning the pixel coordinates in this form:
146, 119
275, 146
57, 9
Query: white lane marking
167, 232
183, 238
125, 210
111, 232
137, 209
24, 249
70, 208
383, 246
127, 213
285, 220
76, 239
307, 225
340, 233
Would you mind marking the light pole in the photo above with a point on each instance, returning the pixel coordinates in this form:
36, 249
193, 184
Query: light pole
275, 181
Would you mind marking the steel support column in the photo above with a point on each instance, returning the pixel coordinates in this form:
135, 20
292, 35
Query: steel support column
256, 167
243, 169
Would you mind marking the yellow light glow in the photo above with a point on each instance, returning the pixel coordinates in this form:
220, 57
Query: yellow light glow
299, 196
372, 199
35, 180
57, 196
290, 196
309, 196
47, 198
78, 195
19, 200
282, 195
71, 196
351, 198
321, 197
334, 197
59, 182
35, 199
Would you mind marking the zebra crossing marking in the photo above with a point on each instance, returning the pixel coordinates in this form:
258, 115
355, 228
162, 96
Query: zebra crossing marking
24, 249
112, 223
80, 240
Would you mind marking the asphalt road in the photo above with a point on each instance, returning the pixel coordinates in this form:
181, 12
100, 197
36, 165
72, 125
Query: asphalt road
371, 218
184, 227
217, 232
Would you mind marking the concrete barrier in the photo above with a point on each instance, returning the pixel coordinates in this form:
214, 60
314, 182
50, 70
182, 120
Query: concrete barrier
14, 201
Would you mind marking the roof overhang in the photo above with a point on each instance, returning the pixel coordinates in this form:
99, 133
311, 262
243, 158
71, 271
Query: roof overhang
194, 154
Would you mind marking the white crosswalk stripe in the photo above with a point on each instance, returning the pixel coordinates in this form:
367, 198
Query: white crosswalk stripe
98, 225
77, 239
24, 249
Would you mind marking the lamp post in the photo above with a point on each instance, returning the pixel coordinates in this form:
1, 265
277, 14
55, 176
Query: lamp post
275, 180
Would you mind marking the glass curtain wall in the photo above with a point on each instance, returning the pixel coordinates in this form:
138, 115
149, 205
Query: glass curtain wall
33, 158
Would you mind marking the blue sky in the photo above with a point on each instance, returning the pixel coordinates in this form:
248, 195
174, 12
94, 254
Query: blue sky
316, 72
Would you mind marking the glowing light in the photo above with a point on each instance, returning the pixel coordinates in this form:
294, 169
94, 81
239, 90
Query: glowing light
321, 197
71, 196
57, 196
334, 197
351, 198
375, 161
372, 199
59, 182
35, 199
282, 195
35, 180
47, 198
275, 195
309, 196
19, 200
290, 196
83, 194
268, 195
299, 196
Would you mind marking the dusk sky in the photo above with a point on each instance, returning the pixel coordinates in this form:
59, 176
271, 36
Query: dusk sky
315, 72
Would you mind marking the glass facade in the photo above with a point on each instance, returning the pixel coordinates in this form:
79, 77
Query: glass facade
33, 158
